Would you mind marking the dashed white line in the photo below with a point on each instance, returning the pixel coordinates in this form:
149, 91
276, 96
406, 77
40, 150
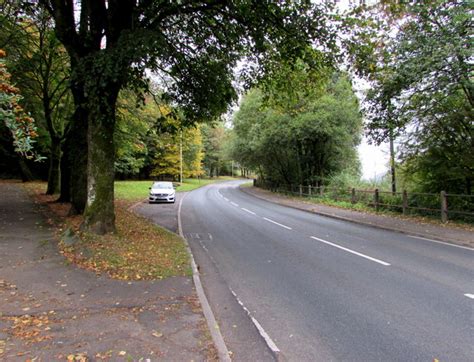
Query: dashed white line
259, 327
233, 203
226, 199
265, 336
441, 242
277, 223
351, 251
250, 212
469, 295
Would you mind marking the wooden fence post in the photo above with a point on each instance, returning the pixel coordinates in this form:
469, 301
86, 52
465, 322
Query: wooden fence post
309, 190
353, 196
321, 190
405, 202
376, 199
444, 206
301, 190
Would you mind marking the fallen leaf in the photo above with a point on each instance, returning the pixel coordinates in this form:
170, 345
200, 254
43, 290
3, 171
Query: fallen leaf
157, 334
122, 353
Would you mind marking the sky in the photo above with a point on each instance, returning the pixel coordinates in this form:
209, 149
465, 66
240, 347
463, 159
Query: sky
374, 160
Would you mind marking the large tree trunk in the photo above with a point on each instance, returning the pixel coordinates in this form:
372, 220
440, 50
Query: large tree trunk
99, 215
74, 165
78, 147
54, 166
65, 189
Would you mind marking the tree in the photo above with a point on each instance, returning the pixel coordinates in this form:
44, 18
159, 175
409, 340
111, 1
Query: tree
23, 130
194, 44
176, 148
302, 140
423, 92
134, 133
213, 142
40, 66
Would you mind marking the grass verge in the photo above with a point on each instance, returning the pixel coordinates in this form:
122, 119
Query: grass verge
138, 250
370, 210
138, 190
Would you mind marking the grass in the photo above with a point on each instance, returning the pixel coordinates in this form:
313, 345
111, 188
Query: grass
137, 190
138, 250
382, 211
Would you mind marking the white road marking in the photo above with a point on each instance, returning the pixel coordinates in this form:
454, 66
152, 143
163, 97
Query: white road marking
250, 212
226, 199
210, 237
441, 242
259, 327
265, 336
216, 335
469, 295
233, 203
351, 251
277, 223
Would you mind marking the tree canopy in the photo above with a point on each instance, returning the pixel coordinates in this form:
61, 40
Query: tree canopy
424, 94
194, 47
300, 142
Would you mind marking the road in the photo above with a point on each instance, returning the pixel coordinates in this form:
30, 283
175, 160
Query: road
328, 290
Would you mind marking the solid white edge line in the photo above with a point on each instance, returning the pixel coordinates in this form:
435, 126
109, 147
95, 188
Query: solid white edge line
216, 334
277, 223
233, 203
250, 212
441, 242
268, 340
351, 251
469, 295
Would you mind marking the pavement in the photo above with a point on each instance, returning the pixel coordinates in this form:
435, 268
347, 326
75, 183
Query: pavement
450, 233
51, 310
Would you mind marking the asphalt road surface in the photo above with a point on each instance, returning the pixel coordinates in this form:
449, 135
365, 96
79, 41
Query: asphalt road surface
327, 290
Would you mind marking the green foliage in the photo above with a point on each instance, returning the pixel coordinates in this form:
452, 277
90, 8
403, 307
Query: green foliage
134, 122
40, 66
194, 47
21, 125
304, 141
216, 155
424, 94
168, 145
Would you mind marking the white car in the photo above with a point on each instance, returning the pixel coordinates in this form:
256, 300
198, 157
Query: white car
162, 191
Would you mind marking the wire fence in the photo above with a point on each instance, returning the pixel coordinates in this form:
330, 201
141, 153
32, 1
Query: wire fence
438, 205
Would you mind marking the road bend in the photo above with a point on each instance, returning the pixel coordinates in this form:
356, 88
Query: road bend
328, 290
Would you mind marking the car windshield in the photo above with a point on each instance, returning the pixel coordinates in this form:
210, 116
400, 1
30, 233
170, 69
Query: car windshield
162, 185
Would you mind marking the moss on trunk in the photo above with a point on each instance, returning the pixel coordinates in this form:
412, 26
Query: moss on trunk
99, 215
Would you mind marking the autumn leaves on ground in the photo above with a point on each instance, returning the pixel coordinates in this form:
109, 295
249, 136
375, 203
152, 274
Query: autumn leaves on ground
138, 250
131, 298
